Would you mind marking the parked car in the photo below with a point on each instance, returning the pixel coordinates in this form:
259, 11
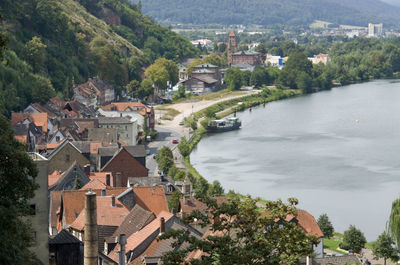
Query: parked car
175, 141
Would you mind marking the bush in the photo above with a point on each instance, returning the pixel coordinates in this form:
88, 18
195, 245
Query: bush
353, 239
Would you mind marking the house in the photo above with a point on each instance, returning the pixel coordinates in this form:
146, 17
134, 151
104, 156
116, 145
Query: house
133, 223
275, 61
39, 214
64, 156
75, 109
135, 110
73, 177
250, 57
320, 58
104, 177
65, 249
104, 155
204, 78
40, 120
65, 206
110, 214
166, 182
77, 128
94, 92
130, 161
144, 247
126, 128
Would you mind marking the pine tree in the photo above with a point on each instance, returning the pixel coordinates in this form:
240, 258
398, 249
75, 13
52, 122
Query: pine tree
325, 225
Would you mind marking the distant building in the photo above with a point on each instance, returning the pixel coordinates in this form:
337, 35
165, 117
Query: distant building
126, 128
204, 78
375, 30
203, 43
94, 92
249, 57
275, 61
320, 58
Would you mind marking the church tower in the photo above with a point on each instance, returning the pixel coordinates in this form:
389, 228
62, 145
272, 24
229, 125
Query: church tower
232, 46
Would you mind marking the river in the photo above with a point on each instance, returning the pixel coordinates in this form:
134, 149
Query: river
336, 151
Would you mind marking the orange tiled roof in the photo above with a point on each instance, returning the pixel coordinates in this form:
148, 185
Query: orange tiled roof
138, 238
39, 119
54, 177
54, 146
123, 106
194, 204
21, 138
94, 184
74, 202
308, 223
232, 34
151, 198
107, 214
101, 176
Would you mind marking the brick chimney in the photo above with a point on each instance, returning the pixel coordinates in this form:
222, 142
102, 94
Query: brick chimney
91, 240
113, 200
118, 180
162, 226
122, 243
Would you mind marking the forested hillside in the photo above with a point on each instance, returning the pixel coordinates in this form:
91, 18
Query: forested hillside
266, 12
52, 43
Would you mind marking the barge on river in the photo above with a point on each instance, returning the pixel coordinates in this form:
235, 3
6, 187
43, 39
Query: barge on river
224, 125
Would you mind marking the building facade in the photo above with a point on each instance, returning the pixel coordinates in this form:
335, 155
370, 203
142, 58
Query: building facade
126, 128
231, 47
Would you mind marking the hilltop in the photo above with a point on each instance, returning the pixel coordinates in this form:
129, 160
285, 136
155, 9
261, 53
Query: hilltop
53, 43
266, 12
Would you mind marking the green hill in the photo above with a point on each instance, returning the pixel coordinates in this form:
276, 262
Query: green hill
266, 12
52, 43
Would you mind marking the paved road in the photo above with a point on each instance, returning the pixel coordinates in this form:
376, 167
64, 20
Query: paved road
164, 138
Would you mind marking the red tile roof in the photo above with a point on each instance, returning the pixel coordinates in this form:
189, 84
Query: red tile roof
107, 215
194, 204
54, 177
94, 147
102, 176
74, 202
138, 238
151, 198
232, 34
308, 223
94, 184
123, 106
39, 119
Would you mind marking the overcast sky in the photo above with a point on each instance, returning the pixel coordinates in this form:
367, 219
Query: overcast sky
393, 2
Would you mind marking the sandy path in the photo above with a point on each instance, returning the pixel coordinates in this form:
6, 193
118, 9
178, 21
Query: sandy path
188, 107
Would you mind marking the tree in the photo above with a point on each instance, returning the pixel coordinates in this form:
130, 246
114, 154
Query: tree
353, 239
216, 189
17, 173
233, 78
394, 222
165, 159
384, 247
173, 202
133, 88
42, 89
35, 53
146, 89
326, 226
161, 71
183, 147
298, 61
259, 77
239, 234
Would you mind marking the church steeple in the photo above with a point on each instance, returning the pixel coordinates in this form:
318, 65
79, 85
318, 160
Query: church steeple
232, 46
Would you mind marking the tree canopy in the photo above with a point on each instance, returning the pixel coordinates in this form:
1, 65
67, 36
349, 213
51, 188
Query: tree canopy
239, 234
326, 226
385, 248
353, 239
17, 173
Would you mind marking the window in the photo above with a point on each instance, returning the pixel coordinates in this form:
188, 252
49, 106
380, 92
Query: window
57, 139
67, 158
32, 209
126, 127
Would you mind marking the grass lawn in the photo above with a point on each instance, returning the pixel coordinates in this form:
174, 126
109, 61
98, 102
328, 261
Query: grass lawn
170, 114
333, 242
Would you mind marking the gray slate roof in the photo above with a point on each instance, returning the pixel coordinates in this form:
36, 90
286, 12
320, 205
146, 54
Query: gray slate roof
136, 150
246, 53
113, 120
351, 259
108, 135
108, 151
64, 237
206, 79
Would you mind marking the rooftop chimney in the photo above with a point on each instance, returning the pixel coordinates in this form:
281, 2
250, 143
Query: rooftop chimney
122, 243
162, 226
108, 179
118, 180
91, 239
113, 200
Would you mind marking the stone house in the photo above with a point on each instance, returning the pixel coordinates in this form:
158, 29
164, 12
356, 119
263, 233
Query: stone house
127, 131
130, 161
249, 57
94, 92
66, 154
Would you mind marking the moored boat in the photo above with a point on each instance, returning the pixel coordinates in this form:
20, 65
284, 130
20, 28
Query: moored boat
224, 125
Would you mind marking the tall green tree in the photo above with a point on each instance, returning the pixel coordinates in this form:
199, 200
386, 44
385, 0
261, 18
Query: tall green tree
394, 222
35, 53
17, 173
385, 248
239, 234
233, 78
216, 189
326, 226
353, 239
183, 147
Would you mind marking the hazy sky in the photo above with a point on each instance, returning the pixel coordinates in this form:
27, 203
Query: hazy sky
393, 2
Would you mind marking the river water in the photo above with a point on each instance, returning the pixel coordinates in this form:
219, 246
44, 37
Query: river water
336, 151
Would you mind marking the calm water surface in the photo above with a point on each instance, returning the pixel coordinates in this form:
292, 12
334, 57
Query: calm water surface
337, 151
